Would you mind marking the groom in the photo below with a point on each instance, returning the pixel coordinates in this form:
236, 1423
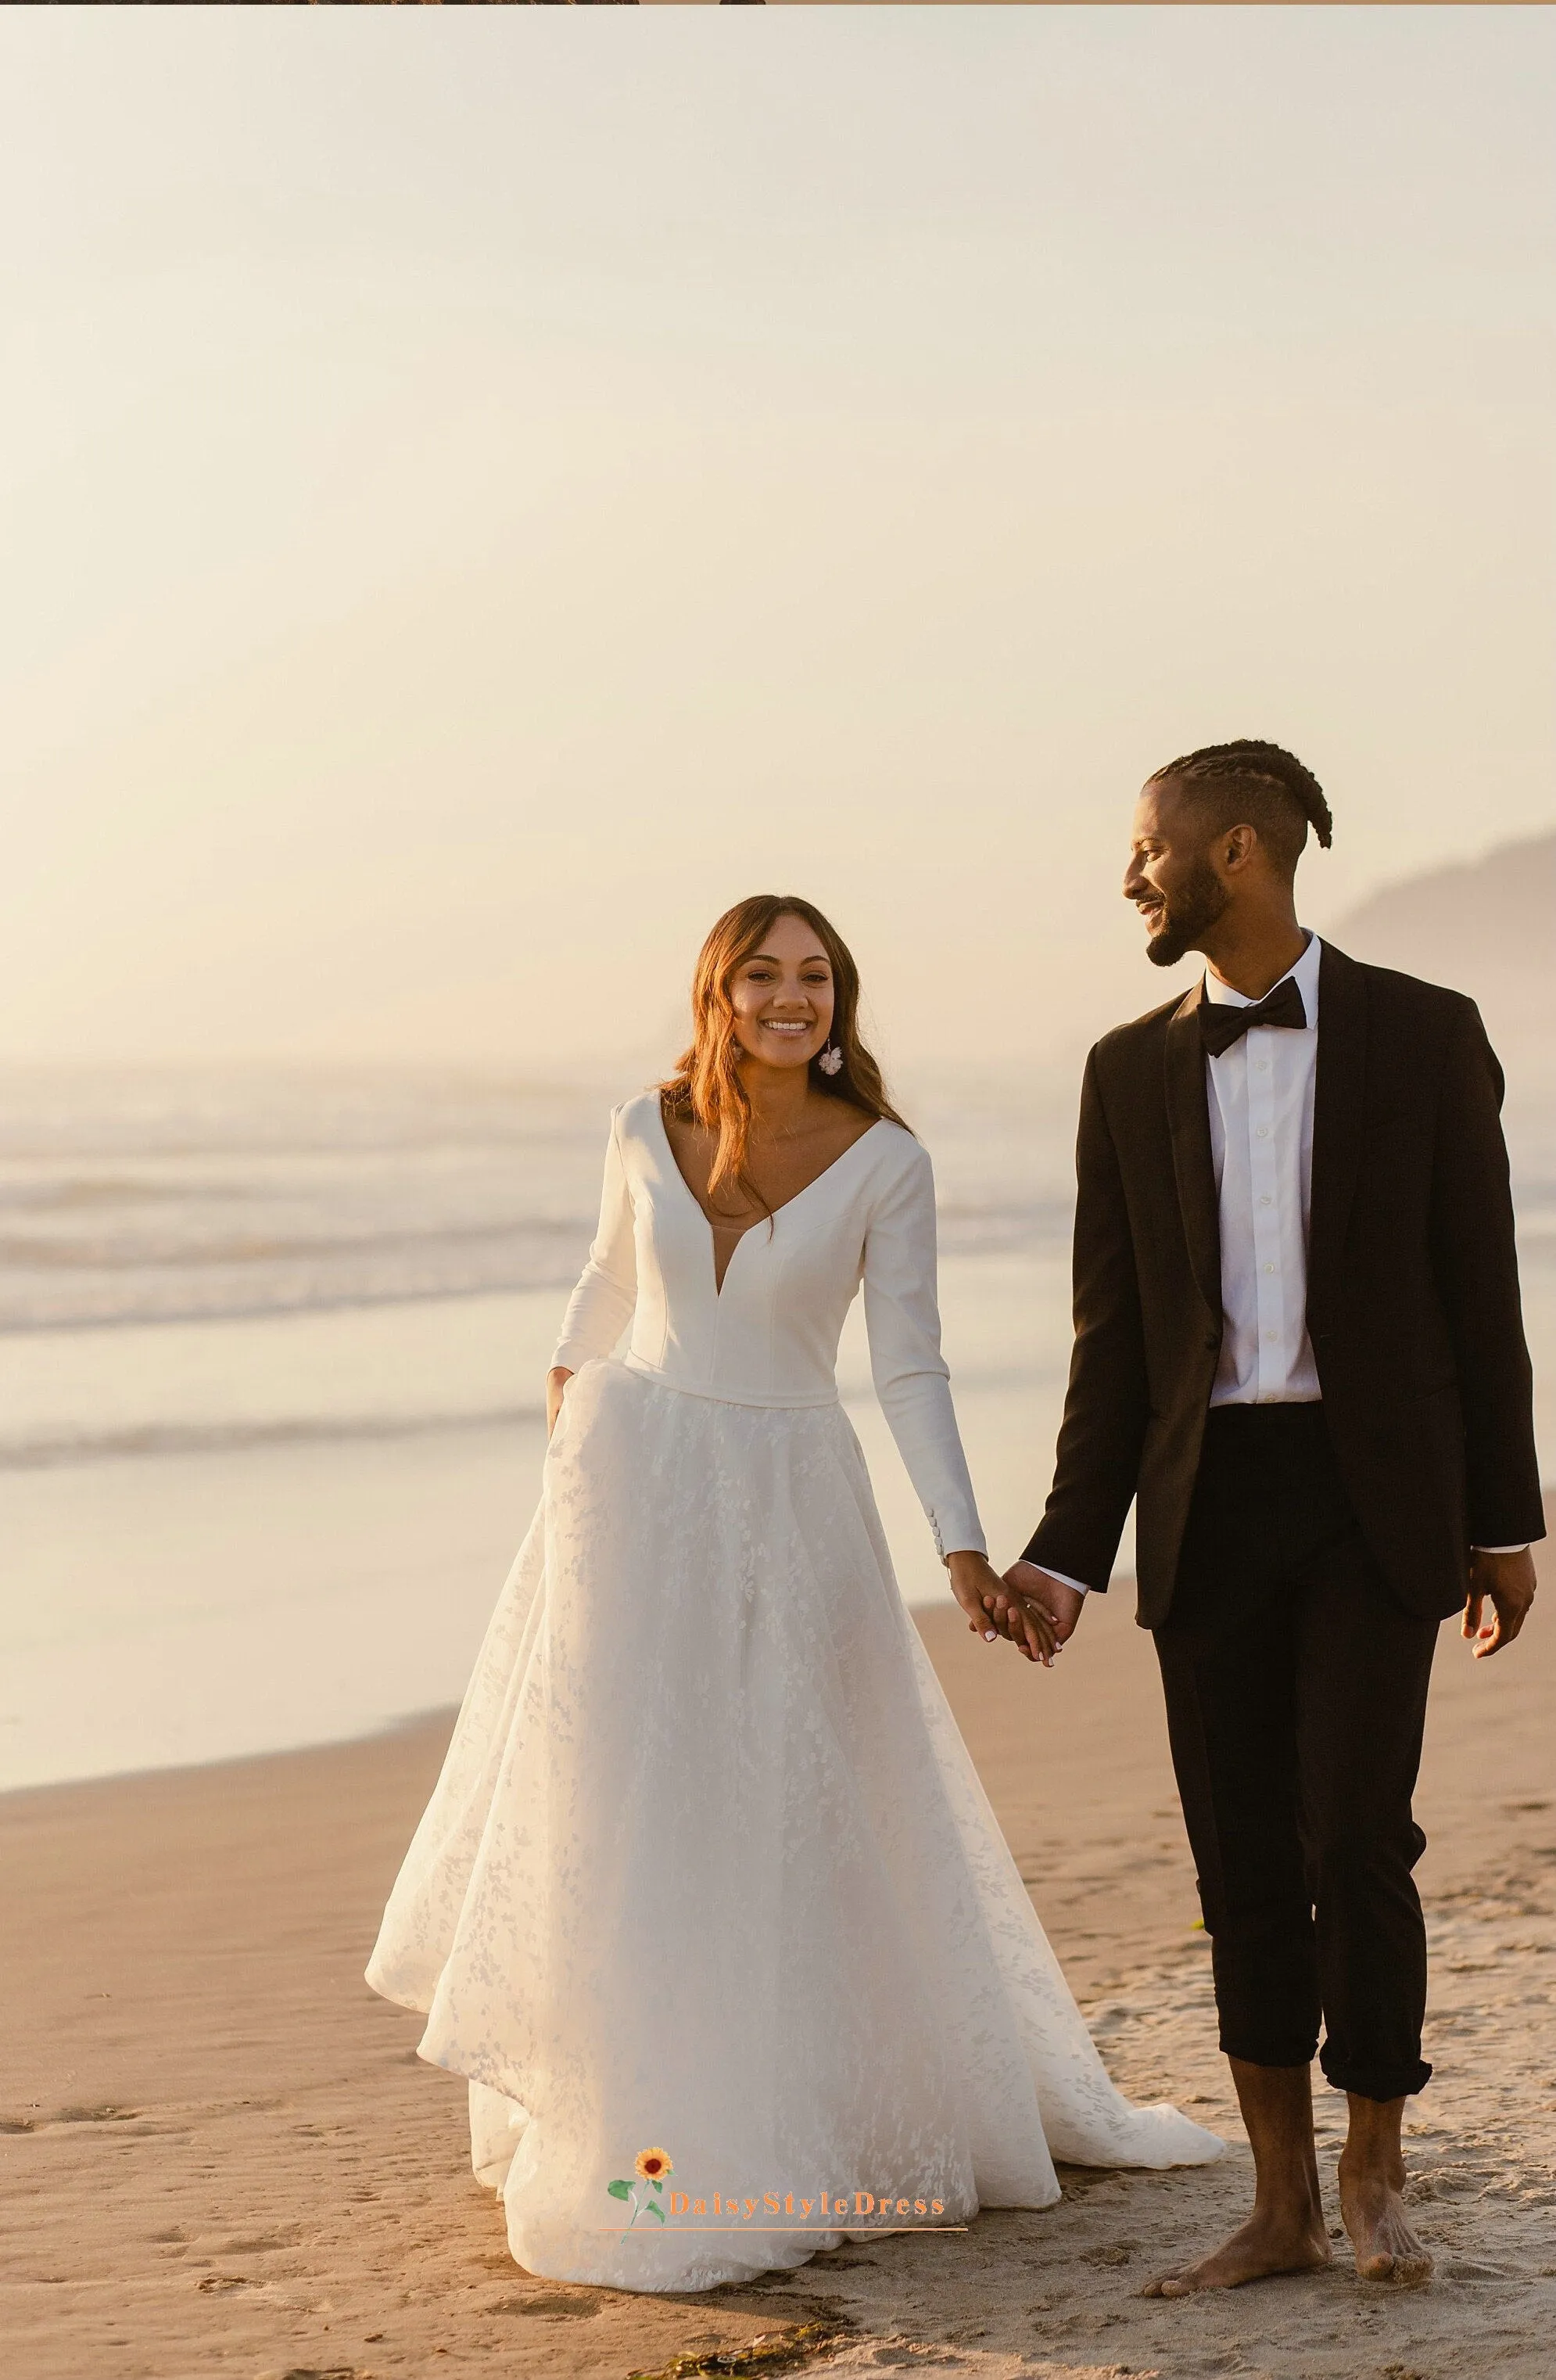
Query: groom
1298, 1348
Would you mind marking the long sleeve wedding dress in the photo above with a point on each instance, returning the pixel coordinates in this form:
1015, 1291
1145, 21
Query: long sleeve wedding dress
709, 1904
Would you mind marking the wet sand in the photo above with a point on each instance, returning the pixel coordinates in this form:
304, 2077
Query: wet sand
219, 2152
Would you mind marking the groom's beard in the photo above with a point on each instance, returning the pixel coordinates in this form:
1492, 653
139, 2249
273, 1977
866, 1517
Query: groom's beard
1198, 903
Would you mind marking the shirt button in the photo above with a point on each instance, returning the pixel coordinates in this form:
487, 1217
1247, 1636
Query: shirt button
1265, 1198
1262, 1065
1263, 1131
1268, 1267
1272, 1334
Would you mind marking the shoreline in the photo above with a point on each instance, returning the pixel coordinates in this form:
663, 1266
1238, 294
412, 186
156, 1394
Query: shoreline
219, 2150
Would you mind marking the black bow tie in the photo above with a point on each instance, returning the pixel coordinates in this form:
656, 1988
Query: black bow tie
1221, 1024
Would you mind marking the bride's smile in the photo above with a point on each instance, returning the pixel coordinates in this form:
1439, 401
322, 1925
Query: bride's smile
781, 997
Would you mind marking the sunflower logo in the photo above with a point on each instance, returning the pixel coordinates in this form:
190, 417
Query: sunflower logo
652, 2165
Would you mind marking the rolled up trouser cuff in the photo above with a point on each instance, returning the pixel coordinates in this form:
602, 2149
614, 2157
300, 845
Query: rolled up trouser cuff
1269, 2048
1382, 2083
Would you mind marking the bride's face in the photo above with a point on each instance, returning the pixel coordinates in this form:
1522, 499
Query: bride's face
782, 996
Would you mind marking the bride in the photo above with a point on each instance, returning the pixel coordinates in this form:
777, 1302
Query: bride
709, 1904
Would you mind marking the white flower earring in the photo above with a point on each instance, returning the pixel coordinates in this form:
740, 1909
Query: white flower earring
830, 1061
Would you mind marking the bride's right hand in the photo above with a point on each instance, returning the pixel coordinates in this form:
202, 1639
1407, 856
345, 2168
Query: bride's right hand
556, 1381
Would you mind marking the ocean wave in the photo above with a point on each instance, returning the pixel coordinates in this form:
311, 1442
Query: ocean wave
48, 1451
85, 1282
444, 1240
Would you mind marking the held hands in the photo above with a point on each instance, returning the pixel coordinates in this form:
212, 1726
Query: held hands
1023, 1621
1024, 1588
1509, 1581
977, 1586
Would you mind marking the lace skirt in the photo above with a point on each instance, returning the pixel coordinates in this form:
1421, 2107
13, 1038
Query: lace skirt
709, 1904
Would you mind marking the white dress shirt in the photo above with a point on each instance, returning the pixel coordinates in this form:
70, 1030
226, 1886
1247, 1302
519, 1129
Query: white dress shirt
1260, 1094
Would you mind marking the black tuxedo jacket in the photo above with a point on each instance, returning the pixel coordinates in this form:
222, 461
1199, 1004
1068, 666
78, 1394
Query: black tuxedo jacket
1413, 1306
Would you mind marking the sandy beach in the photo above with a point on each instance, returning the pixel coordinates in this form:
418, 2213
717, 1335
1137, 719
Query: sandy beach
219, 2152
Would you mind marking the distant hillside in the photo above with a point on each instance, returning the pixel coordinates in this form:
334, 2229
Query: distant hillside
1489, 927
1496, 915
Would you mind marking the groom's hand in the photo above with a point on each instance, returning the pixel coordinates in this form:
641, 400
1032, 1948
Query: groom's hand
1024, 1585
1508, 1580
978, 1587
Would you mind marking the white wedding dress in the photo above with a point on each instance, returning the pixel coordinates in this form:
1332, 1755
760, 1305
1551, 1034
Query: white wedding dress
708, 1869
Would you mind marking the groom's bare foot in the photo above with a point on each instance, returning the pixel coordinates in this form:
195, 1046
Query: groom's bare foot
1265, 2245
1387, 2248
1371, 2204
1286, 2232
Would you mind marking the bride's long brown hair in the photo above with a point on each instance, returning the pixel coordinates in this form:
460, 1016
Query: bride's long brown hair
707, 1084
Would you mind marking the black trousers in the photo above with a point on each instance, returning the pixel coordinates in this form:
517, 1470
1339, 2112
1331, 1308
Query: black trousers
1297, 1695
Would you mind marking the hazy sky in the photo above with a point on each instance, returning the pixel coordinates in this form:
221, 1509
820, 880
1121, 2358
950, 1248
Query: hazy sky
483, 490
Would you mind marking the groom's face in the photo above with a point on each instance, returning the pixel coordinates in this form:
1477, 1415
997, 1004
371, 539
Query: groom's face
1171, 878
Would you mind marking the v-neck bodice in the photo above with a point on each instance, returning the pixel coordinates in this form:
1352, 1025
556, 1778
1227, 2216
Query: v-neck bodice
815, 1182
769, 1337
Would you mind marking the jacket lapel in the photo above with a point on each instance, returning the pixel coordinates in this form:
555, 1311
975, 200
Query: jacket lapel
1338, 1095
1189, 1123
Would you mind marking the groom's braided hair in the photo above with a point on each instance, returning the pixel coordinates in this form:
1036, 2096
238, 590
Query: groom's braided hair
1256, 784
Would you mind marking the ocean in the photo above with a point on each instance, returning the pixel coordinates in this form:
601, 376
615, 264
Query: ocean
271, 1373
